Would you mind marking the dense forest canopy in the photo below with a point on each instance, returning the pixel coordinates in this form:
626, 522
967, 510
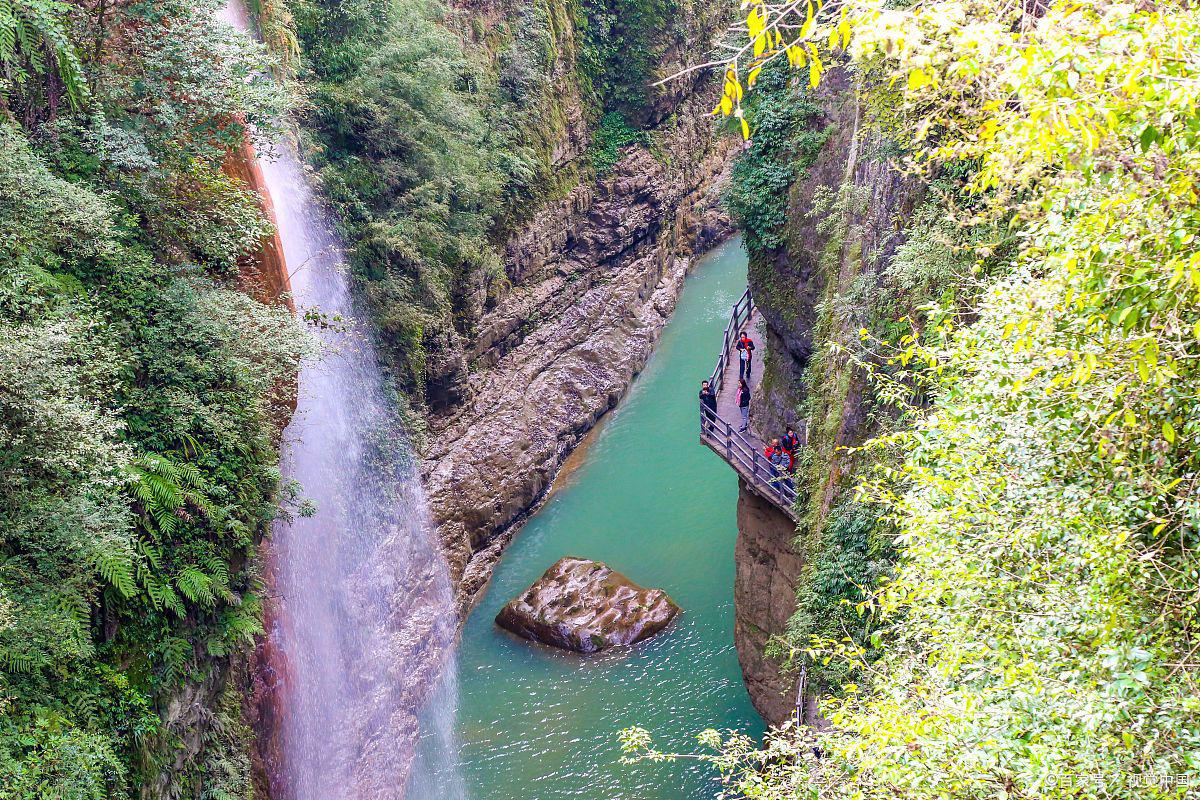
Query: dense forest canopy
1039, 633
139, 390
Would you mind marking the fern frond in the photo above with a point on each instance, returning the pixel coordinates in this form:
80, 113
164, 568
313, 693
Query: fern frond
176, 656
162, 596
34, 33
15, 662
117, 569
196, 586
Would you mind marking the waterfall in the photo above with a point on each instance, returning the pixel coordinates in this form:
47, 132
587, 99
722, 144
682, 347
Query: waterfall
361, 618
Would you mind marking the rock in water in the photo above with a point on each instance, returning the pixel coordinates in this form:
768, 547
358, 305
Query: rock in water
586, 606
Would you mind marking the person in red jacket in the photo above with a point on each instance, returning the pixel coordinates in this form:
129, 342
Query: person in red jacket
780, 459
790, 443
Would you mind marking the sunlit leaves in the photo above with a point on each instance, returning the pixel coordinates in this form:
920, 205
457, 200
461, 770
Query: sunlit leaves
768, 40
1043, 617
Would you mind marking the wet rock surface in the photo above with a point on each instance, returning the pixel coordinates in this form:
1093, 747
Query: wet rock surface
593, 278
586, 606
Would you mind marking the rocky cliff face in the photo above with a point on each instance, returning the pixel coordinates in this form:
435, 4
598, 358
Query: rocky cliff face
764, 597
846, 217
594, 277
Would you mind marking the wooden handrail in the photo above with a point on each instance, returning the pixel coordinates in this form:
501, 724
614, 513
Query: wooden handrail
742, 310
746, 459
741, 453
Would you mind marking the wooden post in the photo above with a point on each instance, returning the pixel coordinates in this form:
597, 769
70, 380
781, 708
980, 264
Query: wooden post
800, 687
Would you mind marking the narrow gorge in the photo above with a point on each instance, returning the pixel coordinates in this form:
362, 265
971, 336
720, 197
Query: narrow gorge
590, 282
594, 277
393, 399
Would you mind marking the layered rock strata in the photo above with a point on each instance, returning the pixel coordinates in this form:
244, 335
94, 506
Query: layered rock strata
595, 277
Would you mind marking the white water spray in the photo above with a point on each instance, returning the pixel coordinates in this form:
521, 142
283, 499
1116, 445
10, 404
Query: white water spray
361, 622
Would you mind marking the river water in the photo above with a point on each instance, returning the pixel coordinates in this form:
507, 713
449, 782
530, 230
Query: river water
650, 501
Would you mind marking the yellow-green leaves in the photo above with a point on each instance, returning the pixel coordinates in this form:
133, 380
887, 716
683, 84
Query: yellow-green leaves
1049, 504
731, 98
771, 33
815, 67
917, 79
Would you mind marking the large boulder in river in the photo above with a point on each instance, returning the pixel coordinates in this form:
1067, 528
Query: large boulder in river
586, 606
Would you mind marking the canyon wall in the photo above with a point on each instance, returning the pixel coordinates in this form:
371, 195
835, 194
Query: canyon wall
847, 212
591, 279
764, 597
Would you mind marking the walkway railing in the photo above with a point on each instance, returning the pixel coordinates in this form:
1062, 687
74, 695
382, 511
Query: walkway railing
742, 310
741, 450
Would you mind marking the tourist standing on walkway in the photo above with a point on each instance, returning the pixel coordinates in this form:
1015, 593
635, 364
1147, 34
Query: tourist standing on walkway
790, 443
708, 404
780, 459
744, 404
745, 346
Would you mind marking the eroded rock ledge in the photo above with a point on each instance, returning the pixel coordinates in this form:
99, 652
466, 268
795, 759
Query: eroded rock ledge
595, 277
587, 606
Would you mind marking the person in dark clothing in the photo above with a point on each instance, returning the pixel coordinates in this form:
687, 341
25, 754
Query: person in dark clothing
708, 405
790, 441
745, 346
744, 404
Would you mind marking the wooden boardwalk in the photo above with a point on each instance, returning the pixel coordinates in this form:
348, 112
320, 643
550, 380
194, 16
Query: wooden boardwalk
743, 450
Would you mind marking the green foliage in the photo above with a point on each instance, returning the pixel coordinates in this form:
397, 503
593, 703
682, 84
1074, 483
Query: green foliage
623, 42
613, 135
137, 399
34, 45
107, 357
845, 564
416, 155
785, 143
1040, 630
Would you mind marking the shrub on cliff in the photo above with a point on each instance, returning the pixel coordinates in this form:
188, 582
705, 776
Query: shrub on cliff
787, 139
420, 147
1040, 631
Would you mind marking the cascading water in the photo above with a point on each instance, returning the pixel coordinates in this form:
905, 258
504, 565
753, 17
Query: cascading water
361, 620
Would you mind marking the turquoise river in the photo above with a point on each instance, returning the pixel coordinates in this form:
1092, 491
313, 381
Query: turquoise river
646, 498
